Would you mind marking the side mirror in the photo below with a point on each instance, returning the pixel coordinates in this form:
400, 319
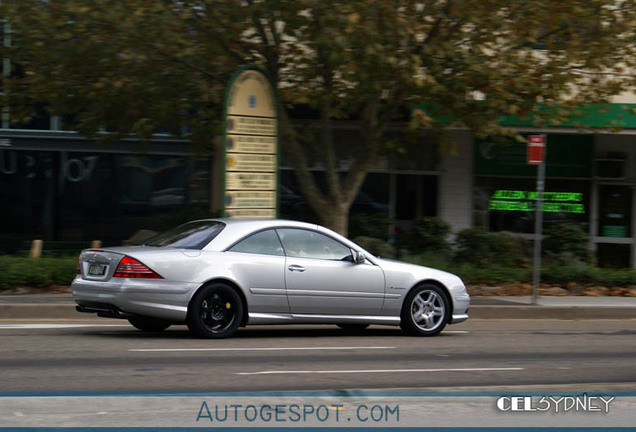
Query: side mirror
358, 257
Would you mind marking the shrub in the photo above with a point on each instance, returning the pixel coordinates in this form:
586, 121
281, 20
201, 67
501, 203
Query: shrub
493, 274
566, 243
428, 234
433, 260
38, 273
480, 247
616, 277
376, 246
556, 273
474, 273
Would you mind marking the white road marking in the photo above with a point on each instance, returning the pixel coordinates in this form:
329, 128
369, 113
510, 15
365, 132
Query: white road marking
333, 348
455, 332
56, 326
282, 372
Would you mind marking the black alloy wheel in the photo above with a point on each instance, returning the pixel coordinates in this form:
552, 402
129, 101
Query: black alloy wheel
215, 312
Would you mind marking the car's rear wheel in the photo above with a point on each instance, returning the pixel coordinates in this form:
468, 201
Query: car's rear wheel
426, 311
215, 312
353, 328
149, 324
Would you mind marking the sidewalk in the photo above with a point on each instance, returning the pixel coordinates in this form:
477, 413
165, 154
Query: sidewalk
552, 307
62, 306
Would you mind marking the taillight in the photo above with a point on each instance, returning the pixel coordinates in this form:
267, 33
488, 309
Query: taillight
131, 268
79, 269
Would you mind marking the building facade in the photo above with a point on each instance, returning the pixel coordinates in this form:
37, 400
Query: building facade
590, 181
58, 186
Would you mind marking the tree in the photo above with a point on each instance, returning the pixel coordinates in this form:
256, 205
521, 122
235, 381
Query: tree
140, 66
108, 64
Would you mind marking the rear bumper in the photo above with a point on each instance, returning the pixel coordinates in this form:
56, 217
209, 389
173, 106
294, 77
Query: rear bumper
125, 298
105, 310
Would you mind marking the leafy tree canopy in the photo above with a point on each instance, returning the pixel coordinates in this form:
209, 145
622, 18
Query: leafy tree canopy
142, 66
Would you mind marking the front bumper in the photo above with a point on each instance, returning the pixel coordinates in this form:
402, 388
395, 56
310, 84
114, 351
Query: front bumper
461, 303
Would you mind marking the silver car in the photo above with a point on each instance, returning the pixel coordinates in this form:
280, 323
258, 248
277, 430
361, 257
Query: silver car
220, 274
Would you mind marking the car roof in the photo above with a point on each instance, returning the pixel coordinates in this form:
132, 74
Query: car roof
236, 229
257, 224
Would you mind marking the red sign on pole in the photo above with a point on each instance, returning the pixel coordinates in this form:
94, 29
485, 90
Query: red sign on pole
536, 150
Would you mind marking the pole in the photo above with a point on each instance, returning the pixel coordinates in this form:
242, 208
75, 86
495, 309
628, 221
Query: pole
538, 233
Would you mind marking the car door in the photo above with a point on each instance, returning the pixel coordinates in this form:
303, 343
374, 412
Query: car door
258, 264
322, 279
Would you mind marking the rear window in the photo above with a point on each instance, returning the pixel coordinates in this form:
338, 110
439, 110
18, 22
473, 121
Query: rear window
193, 235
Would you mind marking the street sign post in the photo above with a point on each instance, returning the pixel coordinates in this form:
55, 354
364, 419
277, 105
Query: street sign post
250, 171
536, 156
536, 149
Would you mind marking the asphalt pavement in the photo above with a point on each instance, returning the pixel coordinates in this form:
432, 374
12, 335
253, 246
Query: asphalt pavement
62, 306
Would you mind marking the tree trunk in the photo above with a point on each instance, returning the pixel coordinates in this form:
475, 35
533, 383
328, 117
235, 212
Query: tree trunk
335, 216
332, 207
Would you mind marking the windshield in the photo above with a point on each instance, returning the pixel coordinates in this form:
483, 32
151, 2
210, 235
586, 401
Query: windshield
193, 235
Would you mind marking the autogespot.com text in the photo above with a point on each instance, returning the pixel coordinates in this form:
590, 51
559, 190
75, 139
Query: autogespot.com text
386, 414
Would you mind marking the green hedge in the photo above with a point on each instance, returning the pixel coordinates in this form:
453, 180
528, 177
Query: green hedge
428, 235
483, 274
37, 273
482, 248
45, 272
496, 274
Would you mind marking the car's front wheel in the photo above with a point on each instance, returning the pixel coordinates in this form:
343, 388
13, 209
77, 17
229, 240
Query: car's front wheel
149, 324
426, 311
215, 312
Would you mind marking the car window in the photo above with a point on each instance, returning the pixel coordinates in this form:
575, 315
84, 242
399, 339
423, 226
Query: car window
193, 235
264, 242
311, 244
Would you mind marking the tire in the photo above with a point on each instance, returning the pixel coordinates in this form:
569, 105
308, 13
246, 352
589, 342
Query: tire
426, 311
353, 328
149, 324
215, 312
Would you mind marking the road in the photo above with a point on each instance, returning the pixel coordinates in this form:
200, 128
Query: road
111, 356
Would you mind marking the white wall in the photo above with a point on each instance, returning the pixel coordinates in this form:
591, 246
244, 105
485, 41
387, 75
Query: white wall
614, 143
608, 143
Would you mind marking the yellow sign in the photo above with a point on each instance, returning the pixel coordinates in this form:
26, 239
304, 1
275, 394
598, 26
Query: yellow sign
251, 95
250, 199
250, 181
251, 146
251, 162
251, 213
251, 125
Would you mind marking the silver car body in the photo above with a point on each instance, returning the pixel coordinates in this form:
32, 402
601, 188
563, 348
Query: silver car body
276, 289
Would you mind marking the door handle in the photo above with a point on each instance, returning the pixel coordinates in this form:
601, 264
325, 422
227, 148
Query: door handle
297, 268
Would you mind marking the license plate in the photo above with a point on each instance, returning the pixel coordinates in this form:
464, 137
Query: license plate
96, 270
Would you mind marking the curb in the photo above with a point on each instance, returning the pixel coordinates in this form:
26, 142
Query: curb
39, 311
484, 312
552, 312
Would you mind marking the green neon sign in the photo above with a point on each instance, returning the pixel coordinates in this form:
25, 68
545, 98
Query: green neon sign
525, 201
